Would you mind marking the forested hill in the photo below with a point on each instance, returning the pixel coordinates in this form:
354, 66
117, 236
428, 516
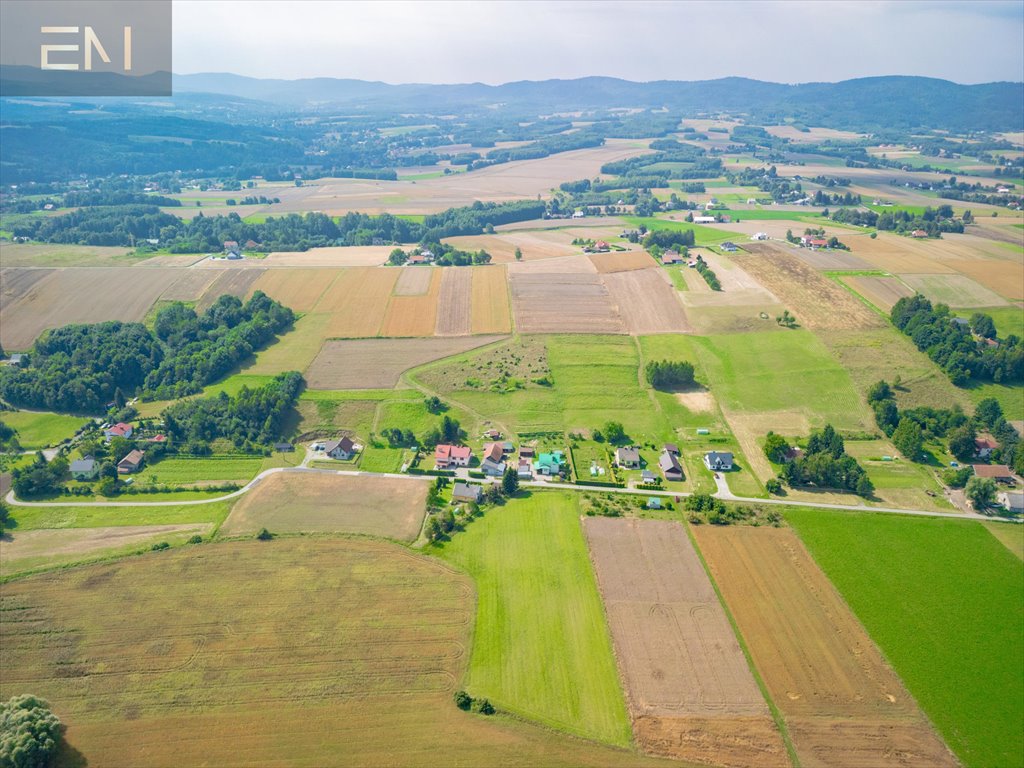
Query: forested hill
863, 104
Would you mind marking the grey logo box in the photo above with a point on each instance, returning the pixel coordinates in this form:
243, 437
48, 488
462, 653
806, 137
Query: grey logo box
85, 48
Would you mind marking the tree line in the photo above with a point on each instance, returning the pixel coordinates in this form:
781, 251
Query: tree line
824, 463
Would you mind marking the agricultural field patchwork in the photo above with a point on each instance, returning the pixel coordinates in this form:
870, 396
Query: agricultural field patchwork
646, 301
943, 600
842, 703
563, 303
690, 692
237, 281
954, 290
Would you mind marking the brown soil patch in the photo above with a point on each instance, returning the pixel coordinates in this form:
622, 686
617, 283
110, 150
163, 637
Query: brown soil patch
357, 301
297, 289
313, 502
378, 363
676, 652
414, 281
414, 315
237, 281
883, 292
454, 303
563, 303
190, 285
1005, 277
697, 401
15, 282
80, 295
618, 261
816, 301
647, 301
333, 256
842, 702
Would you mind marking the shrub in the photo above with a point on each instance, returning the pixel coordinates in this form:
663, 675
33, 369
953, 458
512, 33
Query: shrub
773, 486
264, 535
463, 700
484, 707
197, 539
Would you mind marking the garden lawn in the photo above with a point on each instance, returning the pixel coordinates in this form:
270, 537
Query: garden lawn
177, 470
945, 602
541, 647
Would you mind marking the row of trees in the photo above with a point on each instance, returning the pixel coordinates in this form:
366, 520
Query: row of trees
951, 345
933, 221
669, 374
82, 368
444, 255
823, 464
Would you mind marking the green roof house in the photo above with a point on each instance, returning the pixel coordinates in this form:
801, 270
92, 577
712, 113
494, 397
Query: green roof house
549, 463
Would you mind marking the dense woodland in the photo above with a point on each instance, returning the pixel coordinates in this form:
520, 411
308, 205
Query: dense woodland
933, 221
953, 346
82, 368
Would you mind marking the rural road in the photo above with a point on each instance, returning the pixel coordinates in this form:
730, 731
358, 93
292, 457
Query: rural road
723, 493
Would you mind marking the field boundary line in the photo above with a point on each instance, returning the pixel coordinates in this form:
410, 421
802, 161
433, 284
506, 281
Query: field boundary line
780, 723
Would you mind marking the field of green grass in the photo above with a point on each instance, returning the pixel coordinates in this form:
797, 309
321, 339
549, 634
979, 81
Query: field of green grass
176, 470
30, 518
1011, 399
1008, 320
39, 430
541, 647
704, 235
945, 602
383, 459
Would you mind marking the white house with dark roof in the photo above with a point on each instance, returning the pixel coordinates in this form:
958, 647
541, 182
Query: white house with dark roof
718, 461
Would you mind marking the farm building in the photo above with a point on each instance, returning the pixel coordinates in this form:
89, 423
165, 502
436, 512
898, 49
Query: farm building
627, 457
984, 445
718, 461
525, 471
998, 472
466, 492
670, 465
118, 430
549, 463
493, 434
343, 448
671, 448
671, 257
792, 453
130, 463
280, 447
729, 247
446, 456
647, 477
84, 469
1012, 501
16, 359
231, 248
703, 219
919, 233
654, 503
493, 460
526, 452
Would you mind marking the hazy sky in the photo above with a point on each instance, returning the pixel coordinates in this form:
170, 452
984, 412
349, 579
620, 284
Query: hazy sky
496, 41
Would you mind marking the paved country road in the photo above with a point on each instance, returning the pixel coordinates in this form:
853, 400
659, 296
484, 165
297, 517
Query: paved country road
723, 493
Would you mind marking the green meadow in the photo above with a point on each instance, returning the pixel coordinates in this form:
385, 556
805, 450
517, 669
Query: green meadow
29, 518
945, 602
541, 647
39, 430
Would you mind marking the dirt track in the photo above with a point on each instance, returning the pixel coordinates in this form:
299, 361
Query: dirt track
689, 690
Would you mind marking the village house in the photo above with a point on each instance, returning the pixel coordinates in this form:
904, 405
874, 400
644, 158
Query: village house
919, 233
118, 430
130, 463
447, 456
671, 448
464, 492
653, 502
718, 461
729, 247
84, 469
671, 257
627, 458
525, 471
648, 478
1012, 501
17, 359
549, 464
231, 247
669, 465
342, 449
493, 434
493, 463
998, 472
526, 452
984, 444
601, 247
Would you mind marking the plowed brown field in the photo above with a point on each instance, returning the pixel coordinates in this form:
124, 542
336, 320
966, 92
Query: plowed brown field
843, 704
689, 689
647, 301
563, 303
455, 302
816, 301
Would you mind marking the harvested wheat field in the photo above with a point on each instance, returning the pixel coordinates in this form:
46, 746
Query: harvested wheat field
414, 315
189, 285
80, 295
647, 302
61, 255
900, 255
357, 301
618, 261
414, 281
816, 301
578, 264
689, 690
455, 302
15, 282
491, 313
533, 244
378, 363
307, 501
1004, 276
832, 259
954, 290
237, 281
298, 289
883, 292
562, 303
844, 706
134, 654
332, 256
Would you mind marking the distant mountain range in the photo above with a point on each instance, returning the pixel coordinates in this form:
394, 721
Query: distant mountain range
872, 103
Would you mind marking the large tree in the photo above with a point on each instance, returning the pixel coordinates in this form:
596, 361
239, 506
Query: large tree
29, 732
908, 439
981, 492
